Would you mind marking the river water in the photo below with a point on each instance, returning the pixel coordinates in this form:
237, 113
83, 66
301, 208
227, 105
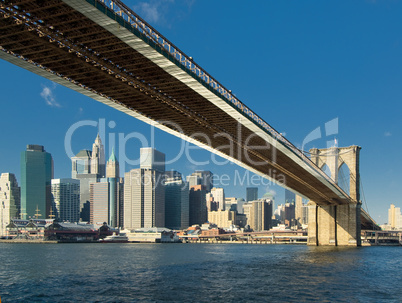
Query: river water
198, 273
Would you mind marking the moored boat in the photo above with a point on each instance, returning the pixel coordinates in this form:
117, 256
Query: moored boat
120, 238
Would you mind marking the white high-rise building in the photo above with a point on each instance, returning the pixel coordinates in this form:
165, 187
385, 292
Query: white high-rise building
144, 199
219, 197
144, 192
201, 177
66, 199
88, 167
98, 165
151, 158
10, 195
259, 214
394, 217
106, 196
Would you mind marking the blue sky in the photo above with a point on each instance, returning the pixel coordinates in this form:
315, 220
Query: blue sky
298, 64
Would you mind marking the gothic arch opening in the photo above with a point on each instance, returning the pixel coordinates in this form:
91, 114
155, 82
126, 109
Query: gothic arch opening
326, 170
344, 178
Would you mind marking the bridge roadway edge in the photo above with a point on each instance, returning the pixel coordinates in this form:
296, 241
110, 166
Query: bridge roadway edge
92, 12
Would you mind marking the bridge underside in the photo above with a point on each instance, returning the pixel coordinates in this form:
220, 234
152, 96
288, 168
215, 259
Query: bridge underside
83, 45
55, 39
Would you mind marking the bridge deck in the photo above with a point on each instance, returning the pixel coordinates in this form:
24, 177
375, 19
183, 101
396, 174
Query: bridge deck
83, 49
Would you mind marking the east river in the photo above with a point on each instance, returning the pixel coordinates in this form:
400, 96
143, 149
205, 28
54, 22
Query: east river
198, 273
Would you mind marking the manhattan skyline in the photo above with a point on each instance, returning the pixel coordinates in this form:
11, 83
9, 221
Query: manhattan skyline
297, 65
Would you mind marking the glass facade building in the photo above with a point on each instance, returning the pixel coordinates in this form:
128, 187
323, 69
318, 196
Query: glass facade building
251, 194
177, 204
151, 158
66, 199
36, 176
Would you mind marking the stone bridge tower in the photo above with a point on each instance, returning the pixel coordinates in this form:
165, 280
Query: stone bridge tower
337, 224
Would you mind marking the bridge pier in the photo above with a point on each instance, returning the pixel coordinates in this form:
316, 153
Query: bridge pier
334, 224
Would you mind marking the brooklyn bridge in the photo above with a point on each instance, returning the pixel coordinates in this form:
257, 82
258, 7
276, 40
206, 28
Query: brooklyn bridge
104, 50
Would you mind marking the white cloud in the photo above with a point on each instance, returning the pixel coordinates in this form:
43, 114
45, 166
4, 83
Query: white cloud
163, 11
270, 192
48, 95
149, 11
387, 134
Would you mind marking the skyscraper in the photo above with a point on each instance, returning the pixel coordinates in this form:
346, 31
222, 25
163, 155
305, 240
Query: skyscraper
106, 196
98, 158
298, 208
144, 192
251, 194
66, 199
151, 158
198, 207
394, 217
88, 167
259, 214
176, 201
289, 196
99, 202
9, 200
116, 195
81, 163
36, 176
289, 213
219, 197
201, 177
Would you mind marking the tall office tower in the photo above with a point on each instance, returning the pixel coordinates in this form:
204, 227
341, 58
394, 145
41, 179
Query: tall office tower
66, 199
120, 212
211, 204
289, 213
201, 177
112, 167
98, 158
193, 180
113, 178
289, 196
240, 203
298, 208
231, 204
280, 213
251, 194
116, 185
9, 200
259, 214
198, 208
99, 202
88, 167
222, 218
151, 158
219, 197
173, 175
144, 192
144, 199
394, 217
304, 219
81, 163
36, 176
176, 201
106, 196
